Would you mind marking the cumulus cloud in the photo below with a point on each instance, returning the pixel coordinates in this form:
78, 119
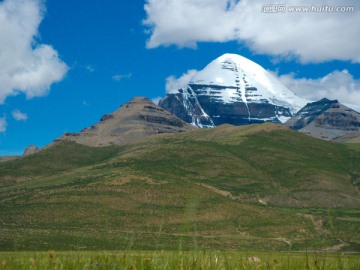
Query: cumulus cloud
3, 124
25, 65
308, 36
173, 84
19, 116
339, 85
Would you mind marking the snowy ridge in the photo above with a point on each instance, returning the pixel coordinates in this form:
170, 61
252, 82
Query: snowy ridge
196, 120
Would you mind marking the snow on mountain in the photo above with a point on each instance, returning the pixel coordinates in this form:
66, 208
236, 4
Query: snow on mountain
233, 89
236, 73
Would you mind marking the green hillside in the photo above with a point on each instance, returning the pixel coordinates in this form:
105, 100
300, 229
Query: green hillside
260, 187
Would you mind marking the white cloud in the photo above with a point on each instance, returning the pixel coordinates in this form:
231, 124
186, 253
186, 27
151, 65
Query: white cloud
3, 124
173, 84
19, 116
340, 85
309, 36
119, 77
25, 65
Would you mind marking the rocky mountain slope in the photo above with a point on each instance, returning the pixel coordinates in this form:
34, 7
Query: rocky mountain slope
134, 120
233, 90
326, 119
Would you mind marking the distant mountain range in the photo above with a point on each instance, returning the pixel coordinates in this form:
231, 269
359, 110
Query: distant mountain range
140, 118
230, 90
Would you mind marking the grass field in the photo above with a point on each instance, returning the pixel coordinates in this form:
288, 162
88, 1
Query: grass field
177, 260
256, 188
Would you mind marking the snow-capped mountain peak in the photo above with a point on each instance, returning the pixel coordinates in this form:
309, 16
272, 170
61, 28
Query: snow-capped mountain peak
233, 89
236, 71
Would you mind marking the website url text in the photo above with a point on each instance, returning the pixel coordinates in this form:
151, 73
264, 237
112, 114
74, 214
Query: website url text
278, 8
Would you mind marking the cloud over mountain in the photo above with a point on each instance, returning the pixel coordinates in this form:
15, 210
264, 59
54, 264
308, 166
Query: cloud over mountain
173, 84
339, 85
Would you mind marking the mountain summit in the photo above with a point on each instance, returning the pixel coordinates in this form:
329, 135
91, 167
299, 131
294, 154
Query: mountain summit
132, 121
235, 90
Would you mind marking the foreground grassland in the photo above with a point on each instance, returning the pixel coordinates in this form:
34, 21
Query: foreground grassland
256, 188
177, 260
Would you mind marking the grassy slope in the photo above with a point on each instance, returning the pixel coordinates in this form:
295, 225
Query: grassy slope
176, 260
257, 187
60, 157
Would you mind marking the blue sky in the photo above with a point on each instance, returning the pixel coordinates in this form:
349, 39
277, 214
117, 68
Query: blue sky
97, 55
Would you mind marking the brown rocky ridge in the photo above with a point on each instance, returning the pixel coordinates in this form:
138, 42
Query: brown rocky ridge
134, 120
